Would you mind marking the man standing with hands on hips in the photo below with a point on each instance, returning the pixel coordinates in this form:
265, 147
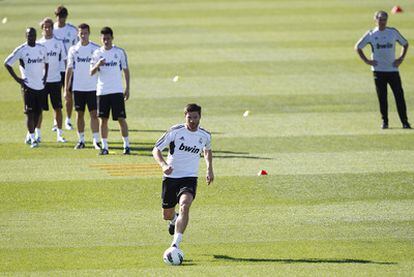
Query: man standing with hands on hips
384, 65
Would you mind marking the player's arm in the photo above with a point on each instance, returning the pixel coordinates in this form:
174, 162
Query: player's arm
166, 168
68, 80
126, 93
360, 45
14, 75
364, 58
46, 72
95, 68
208, 156
399, 61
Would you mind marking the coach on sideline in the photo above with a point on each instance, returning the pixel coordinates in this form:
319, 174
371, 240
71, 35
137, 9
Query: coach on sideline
384, 65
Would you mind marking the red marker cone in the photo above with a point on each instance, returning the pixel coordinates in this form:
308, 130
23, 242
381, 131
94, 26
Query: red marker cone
262, 172
396, 9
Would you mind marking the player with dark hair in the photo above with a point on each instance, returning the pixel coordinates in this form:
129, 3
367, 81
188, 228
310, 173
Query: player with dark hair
385, 66
68, 33
83, 84
186, 142
108, 62
34, 69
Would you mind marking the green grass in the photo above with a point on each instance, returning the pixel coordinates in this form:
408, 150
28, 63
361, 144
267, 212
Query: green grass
339, 198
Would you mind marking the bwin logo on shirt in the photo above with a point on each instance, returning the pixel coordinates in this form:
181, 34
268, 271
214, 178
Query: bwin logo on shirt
51, 54
384, 46
83, 60
37, 60
111, 63
190, 149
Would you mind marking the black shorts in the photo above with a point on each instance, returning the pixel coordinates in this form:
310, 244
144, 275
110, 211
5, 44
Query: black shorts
62, 76
33, 100
83, 99
55, 91
114, 102
172, 188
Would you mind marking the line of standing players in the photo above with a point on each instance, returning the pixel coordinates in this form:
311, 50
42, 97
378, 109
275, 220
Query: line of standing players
89, 74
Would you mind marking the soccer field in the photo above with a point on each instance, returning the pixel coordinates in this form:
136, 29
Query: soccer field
339, 197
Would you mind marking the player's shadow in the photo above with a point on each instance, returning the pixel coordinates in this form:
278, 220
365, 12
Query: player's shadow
298, 261
220, 154
140, 131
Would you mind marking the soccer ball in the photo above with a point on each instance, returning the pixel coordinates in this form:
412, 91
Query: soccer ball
173, 256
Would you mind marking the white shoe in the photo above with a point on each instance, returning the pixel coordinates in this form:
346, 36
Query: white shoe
39, 139
68, 126
54, 128
34, 144
28, 140
61, 139
97, 145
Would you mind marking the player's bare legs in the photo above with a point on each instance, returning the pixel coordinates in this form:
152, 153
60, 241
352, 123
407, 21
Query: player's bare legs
104, 135
80, 121
168, 214
182, 221
124, 132
94, 121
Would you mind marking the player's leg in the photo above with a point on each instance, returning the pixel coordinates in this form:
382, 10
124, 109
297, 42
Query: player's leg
80, 118
396, 86
56, 99
43, 98
92, 107
68, 105
103, 114
381, 88
169, 193
185, 201
119, 113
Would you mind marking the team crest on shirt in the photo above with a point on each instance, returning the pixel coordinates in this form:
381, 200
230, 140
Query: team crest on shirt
27, 54
116, 56
200, 141
56, 46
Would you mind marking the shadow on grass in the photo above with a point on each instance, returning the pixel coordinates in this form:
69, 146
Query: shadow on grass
294, 261
154, 131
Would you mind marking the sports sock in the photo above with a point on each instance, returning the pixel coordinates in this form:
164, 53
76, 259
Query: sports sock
59, 132
104, 143
54, 122
38, 133
178, 237
67, 120
95, 137
174, 219
32, 137
81, 136
126, 141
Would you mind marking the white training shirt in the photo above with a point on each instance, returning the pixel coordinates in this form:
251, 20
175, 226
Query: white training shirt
68, 34
185, 148
110, 74
32, 64
56, 53
79, 59
383, 47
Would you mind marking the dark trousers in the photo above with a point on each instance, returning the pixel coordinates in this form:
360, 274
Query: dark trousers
382, 79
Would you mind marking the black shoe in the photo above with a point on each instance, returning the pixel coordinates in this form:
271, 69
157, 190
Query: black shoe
127, 151
171, 226
406, 125
384, 125
80, 145
104, 152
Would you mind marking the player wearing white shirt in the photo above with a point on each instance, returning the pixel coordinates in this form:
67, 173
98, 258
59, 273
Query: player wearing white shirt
109, 62
186, 142
384, 65
33, 69
56, 52
83, 84
69, 34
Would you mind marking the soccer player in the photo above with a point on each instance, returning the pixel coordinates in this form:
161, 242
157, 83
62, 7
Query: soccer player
384, 65
108, 62
56, 53
84, 85
69, 34
34, 69
185, 142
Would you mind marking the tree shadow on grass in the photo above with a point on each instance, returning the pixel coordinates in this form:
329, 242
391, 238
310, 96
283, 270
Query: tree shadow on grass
297, 261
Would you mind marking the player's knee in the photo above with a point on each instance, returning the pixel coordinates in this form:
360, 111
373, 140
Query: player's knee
185, 207
168, 214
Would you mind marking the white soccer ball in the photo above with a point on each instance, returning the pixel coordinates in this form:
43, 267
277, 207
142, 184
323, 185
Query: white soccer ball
173, 256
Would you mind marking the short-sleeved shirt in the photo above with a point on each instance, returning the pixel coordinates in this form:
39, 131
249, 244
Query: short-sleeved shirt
56, 52
110, 74
185, 148
383, 47
32, 64
79, 59
68, 34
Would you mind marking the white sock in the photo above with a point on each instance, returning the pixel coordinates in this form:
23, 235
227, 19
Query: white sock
38, 133
105, 143
67, 120
178, 237
95, 137
126, 141
54, 122
59, 132
32, 137
81, 136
